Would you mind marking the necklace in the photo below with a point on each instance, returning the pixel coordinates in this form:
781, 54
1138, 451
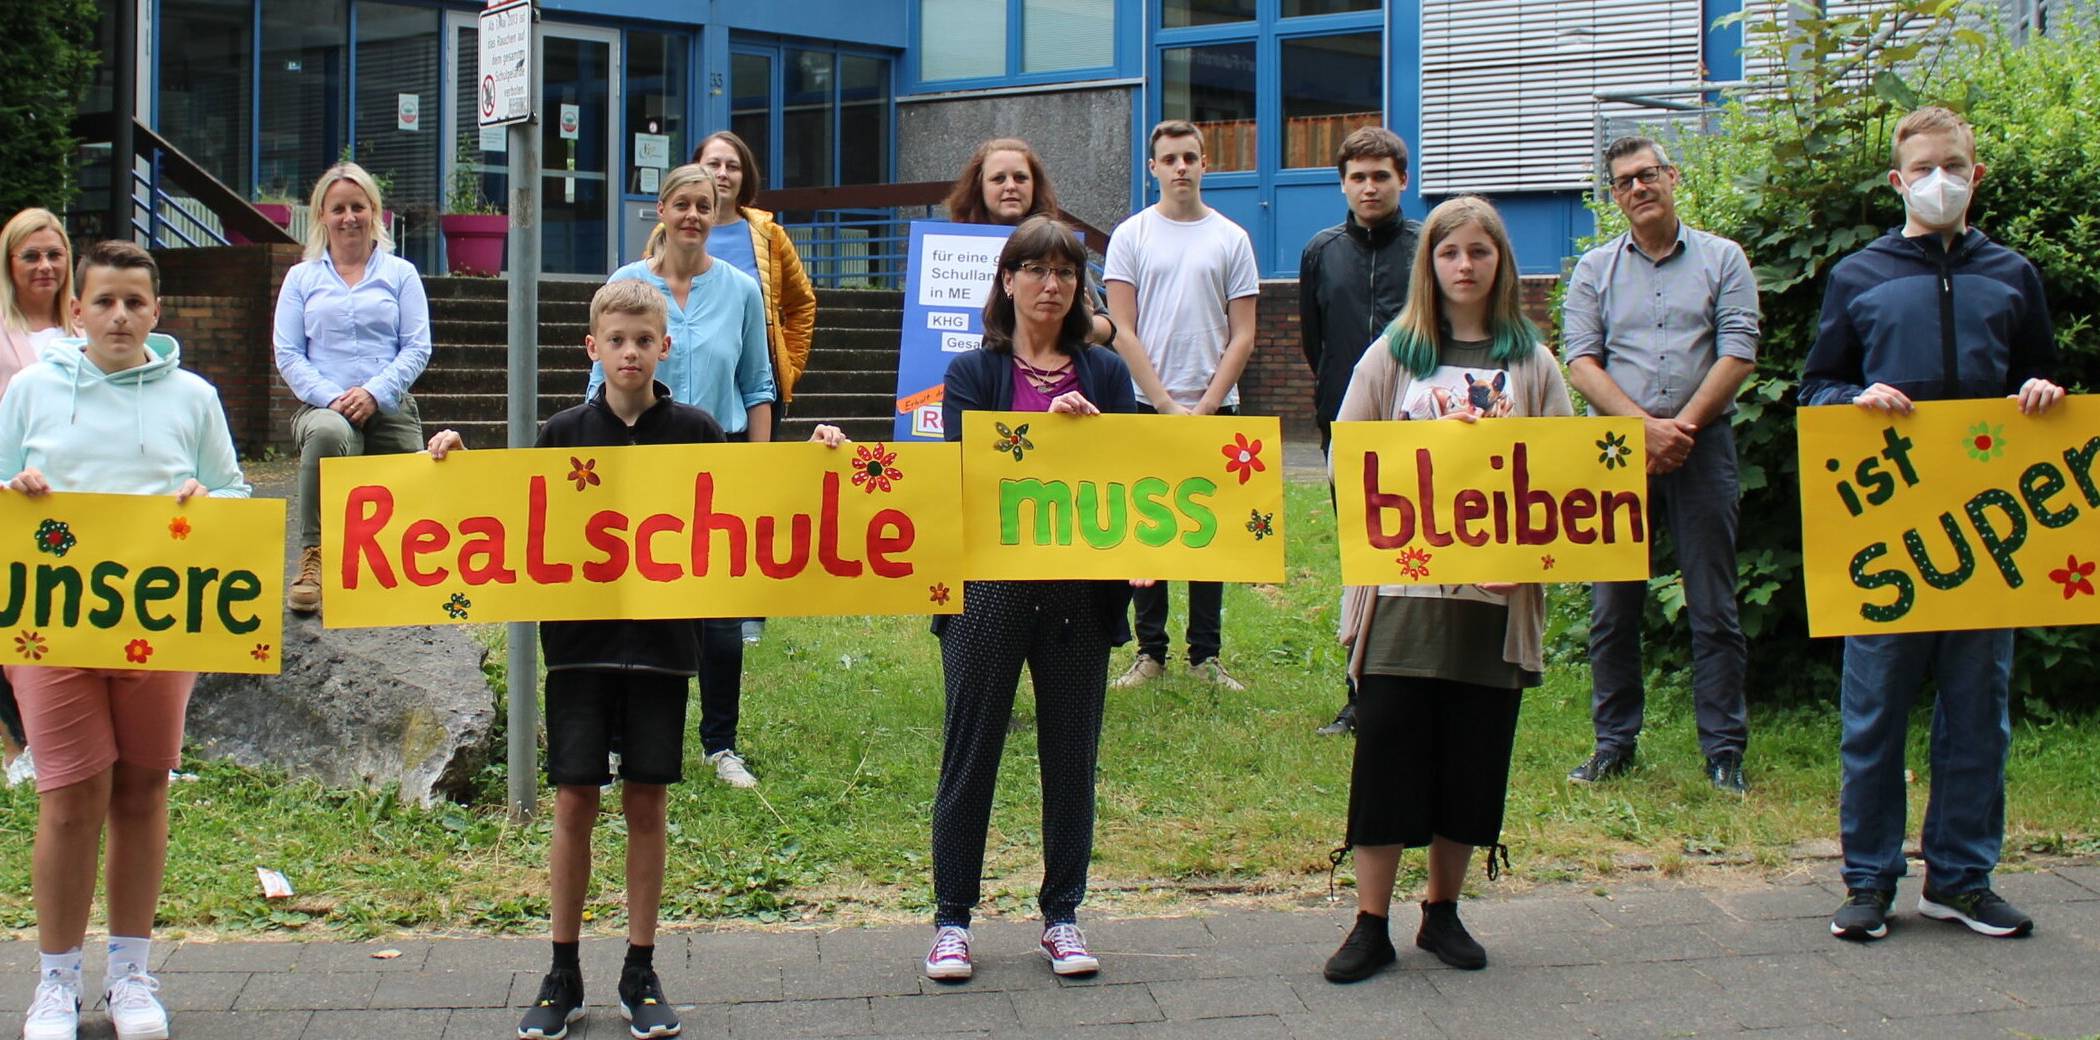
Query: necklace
1043, 379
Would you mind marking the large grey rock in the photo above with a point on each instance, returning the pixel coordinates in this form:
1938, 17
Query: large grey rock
355, 707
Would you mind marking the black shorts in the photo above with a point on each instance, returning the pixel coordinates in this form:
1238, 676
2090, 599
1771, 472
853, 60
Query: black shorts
585, 708
1432, 760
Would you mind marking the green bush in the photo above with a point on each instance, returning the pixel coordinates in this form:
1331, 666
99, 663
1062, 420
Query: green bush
1798, 176
50, 51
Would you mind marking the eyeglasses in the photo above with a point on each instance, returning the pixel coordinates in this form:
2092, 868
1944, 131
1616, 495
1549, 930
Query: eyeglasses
1039, 272
49, 256
1650, 175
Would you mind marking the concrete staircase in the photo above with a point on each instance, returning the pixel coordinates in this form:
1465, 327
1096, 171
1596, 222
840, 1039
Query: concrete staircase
851, 382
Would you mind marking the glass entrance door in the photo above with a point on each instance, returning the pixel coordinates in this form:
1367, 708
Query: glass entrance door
580, 100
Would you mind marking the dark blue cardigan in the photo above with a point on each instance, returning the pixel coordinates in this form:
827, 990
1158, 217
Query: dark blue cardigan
981, 380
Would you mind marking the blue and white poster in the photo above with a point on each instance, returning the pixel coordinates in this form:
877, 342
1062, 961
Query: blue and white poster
953, 267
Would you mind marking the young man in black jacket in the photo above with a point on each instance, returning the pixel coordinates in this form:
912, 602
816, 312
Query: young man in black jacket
1352, 281
1933, 311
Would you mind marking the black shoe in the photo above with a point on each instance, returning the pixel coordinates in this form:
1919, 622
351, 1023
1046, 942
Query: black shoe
560, 1002
1344, 722
1864, 915
1984, 911
1725, 772
643, 1005
1443, 934
1367, 949
1602, 766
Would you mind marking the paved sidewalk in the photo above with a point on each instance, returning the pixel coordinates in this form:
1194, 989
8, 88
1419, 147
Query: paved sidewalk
1644, 960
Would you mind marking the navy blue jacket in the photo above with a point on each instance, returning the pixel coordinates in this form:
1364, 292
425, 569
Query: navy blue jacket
982, 380
1938, 324
666, 646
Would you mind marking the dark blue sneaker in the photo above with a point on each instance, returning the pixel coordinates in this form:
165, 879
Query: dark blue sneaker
1984, 911
1863, 916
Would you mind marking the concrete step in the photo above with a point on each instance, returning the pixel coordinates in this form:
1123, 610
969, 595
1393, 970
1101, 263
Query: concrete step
447, 288
885, 318
446, 328
828, 380
452, 409
798, 427
445, 379
560, 312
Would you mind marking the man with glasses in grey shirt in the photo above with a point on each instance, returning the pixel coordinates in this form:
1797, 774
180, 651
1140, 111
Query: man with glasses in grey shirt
1661, 323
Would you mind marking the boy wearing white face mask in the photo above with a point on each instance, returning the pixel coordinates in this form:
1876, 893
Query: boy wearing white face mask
1935, 311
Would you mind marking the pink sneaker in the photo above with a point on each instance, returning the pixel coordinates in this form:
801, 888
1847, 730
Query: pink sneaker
1066, 948
949, 960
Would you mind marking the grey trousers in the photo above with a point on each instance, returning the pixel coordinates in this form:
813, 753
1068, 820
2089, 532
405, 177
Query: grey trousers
1697, 504
323, 433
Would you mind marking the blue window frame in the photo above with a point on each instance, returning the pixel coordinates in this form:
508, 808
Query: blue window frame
1010, 64
842, 95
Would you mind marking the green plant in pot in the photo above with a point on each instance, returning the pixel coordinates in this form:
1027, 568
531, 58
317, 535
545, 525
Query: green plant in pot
475, 230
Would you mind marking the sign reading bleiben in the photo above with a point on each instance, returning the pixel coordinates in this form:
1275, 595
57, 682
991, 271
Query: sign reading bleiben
1963, 515
139, 582
1524, 500
655, 531
1123, 496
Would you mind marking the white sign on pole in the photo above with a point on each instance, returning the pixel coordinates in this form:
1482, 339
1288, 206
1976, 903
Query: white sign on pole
504, 95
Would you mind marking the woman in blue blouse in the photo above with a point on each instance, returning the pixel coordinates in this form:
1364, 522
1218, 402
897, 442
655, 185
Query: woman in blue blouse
353, 333
718, 363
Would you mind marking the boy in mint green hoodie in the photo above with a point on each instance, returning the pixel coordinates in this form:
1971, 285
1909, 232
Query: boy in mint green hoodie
111, 413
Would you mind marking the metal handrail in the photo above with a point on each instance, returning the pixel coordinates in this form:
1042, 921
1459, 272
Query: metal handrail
234, 212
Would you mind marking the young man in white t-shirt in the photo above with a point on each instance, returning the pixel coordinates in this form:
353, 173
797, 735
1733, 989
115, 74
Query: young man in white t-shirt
1183, 278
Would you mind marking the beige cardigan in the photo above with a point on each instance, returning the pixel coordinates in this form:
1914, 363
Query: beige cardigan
1376, 390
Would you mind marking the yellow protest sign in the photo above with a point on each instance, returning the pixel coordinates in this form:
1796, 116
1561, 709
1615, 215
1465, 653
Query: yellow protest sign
139, 582
1123, 496
1528, 500
651, 531
1963, 515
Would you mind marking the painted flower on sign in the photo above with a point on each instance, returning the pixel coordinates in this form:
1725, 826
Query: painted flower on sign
261, 652
55, 537
1243, 457
1260, 524
583, 471
875, 469
1613, 452
1415, 562
179, 528
456, 606
1546, 561
938, 593
1985, 441
1014, 440
2074, 576
31, 645
137, 651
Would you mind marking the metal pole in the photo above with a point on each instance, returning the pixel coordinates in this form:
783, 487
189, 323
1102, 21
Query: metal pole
524, 409
123, 108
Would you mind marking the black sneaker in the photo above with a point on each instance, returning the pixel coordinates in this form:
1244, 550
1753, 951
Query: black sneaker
1602, 766
1367, 949
643, 1005
1725, 772
1984, 911
1863, 916
1443, 934
1344, 722
560, 1002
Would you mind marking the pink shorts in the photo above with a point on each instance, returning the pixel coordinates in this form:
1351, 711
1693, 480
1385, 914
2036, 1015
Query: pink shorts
80, 721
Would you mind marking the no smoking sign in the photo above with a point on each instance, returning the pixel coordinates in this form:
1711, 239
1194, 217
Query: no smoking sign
506, 64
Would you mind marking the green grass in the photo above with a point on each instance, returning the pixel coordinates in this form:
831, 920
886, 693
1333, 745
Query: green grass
1202, 795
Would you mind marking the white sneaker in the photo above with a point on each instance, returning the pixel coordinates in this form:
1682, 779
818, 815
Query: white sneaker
133, 1008
1143, 670
1065, 948
729, 768
54, 1013
22, 769
950, 957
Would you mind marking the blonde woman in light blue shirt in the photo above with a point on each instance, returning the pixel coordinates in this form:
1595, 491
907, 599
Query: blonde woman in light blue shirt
353, 333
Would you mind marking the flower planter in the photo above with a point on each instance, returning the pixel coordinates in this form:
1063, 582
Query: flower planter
474, 242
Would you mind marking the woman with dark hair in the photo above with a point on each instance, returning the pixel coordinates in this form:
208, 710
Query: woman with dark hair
1005, 183
1441, 669
1033, 357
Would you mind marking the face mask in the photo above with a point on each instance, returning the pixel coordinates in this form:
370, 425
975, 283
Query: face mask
1937, 200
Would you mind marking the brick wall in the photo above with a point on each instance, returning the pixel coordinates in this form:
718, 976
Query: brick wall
220, 304
1278, 382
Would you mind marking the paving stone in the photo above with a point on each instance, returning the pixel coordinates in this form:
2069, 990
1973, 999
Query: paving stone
1398, 1022
1191, 962
1478, 1019
1318, 928
482, 1024
1225, 998
198, 990
444, 989
1633, 945
1111, 1031
849, 977
487, 955
1249, 1027
1644, 908
802, 1018
1782, 990
1369, 999
1919, 981
283, 990
333, 957
1528, 915
235, 956
1767, 938
722, 983
2084, 875
944, 1012
709, 951
1091, 1005
2037, 888
236, 1025
1664, 1017
1607, 983
1166, 933
1525, 987
2079, 1021
1779, 902
364, 1025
